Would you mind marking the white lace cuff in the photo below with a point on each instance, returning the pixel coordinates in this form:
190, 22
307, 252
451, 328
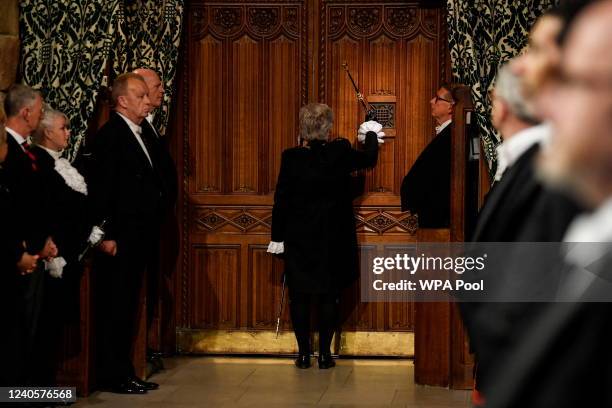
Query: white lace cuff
370, 126
55, 266
96, 235
276, 247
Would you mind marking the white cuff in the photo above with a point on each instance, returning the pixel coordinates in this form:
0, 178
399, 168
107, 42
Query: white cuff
276, 247
55, 266
96, 235
370, 126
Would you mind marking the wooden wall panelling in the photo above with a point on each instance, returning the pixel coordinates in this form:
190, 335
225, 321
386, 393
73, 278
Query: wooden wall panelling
214, 287
237, 121
266, 286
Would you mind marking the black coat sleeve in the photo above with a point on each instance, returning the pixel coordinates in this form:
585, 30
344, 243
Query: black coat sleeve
281, 201
104, 170
361, 159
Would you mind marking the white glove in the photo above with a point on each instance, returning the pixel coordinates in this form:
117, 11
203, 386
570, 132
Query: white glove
276, 247
55, 266
96, 235
370, 126
361, 137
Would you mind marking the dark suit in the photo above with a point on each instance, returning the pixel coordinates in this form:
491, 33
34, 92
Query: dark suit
562, 358
167, 173
22, 177
425, 189
517, 209
127, 192
12, 318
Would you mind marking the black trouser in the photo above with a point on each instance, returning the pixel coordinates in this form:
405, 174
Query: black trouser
327, 316
119, 281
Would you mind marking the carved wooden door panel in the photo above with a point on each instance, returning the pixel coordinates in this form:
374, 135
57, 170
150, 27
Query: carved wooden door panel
248, 68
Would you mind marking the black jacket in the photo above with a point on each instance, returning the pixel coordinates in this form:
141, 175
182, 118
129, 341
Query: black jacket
425, 189
65, 216
124, 189
11, 247
22, 177
313, 213
509, 202
164, 166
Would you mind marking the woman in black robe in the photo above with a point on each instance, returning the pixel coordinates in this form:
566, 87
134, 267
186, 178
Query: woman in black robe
313, 225
65, 202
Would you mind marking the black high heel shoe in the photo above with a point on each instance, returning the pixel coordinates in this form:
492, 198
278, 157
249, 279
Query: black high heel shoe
326, 361
303, 361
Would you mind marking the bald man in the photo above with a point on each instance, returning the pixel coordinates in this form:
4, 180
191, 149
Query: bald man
563, 357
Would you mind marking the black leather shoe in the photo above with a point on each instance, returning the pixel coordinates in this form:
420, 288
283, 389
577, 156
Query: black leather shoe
326, 361
303, 361
128, 386
149, 386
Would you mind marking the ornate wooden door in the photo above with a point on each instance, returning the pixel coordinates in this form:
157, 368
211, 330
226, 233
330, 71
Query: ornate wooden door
248, 68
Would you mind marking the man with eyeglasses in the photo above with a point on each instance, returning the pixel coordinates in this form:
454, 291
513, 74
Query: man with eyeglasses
426, 188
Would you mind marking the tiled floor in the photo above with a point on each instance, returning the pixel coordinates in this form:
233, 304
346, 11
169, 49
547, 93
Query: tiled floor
274, 382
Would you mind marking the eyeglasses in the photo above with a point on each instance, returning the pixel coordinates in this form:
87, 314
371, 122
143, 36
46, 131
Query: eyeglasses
439, 98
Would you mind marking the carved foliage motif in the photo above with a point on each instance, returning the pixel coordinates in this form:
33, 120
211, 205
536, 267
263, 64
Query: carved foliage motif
230, 21
258, 220
263, 20
399, 21
199, 18
364, 20
336, 19
402, 21
290, 18
430, 21
227, 20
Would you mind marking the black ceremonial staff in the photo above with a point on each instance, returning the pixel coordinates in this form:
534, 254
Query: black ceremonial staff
369, 109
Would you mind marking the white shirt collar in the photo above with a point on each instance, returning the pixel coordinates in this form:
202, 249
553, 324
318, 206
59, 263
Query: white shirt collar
589, 237
137, 131
443, 126
592, 227
18, 138
150, 117
55, 154
509, 152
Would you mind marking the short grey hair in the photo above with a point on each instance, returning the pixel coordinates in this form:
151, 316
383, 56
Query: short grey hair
508, 87
46, 122
315, 121
18, 97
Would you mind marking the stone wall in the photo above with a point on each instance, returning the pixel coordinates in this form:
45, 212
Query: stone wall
9, 44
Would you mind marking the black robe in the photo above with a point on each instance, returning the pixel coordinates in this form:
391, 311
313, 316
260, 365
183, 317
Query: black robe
425, 189
12, 318
313, 213
518, 209
125, 189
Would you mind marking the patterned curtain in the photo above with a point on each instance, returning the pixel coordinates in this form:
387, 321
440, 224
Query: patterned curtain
150, 36
67, 46
482, 35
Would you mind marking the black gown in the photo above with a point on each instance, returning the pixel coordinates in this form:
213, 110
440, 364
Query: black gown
65, 219
12, 319
425, 189
313, 213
